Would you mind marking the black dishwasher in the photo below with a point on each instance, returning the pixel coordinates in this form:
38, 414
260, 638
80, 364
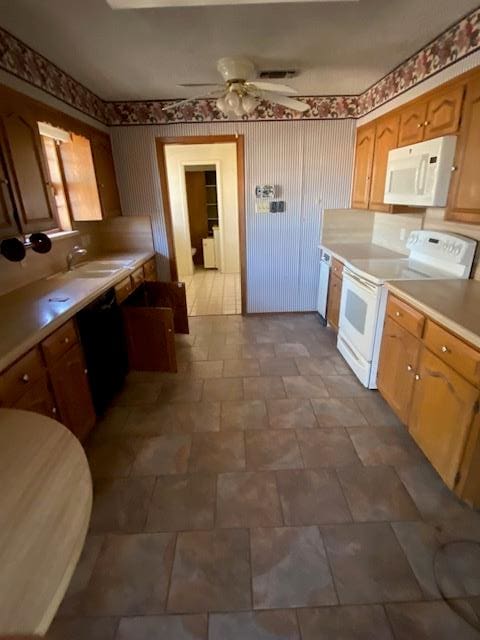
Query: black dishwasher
101, 332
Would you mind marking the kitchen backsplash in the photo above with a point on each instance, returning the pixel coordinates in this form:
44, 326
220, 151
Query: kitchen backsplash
390, 230
105, 236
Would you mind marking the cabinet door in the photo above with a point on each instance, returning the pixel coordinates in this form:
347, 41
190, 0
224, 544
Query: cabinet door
386, 138
72, 392
363, 166
106, 180
412, 124
35, 198
38, 399
333, 302
150, 338
173, 295
464, 196
7, 206
443, 112
441, 414
397, 367
79, 171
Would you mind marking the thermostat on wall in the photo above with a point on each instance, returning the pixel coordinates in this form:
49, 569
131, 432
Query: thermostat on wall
265, 191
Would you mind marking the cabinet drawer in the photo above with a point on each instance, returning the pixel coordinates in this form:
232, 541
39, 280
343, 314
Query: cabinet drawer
123, 289
406, 316
21, 377
337, 267
452, 350
137, 278
59, 342
150, 270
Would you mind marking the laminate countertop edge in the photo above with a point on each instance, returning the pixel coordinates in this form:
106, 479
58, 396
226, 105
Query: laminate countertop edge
442, 319
11, 354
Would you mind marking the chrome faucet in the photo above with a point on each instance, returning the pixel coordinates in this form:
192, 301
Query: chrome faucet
76, 251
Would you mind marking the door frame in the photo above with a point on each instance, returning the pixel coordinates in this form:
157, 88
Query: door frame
239, 141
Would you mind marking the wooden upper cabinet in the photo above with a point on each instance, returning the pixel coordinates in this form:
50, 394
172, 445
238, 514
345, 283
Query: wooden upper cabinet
442, 410
444, 112
464, 195
33, 192
105, 174
8, 226
397, 367
364, 150
412, 124
81, 182
386, 139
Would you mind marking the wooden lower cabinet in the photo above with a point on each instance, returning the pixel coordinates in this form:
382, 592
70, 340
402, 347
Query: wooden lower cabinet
333, 300
397, 367
72, 392
38, 399
441, 415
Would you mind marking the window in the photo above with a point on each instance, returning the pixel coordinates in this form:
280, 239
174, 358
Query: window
72, 175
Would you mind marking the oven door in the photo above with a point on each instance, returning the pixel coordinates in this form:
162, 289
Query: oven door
358, 312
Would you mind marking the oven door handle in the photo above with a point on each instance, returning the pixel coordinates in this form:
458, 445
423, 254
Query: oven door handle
364, 284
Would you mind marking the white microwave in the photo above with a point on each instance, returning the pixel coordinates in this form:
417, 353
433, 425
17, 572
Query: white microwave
419, 175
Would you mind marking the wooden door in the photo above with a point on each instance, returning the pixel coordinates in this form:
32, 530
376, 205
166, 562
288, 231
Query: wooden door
38, 399
35, 204
105, 175
412, 124
364, 149
441, 415
444, 112
464, 195
397, 367
72, 392
197, 211
333, 300
173, 295
150, 338
8, 226
386, 138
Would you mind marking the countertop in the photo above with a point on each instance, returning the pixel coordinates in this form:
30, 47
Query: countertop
347, 251
455, 304
45, 506
30, 314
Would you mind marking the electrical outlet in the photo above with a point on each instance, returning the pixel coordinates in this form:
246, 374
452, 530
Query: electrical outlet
403, 233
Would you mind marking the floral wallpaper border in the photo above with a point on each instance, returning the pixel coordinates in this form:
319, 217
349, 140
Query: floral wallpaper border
457, 42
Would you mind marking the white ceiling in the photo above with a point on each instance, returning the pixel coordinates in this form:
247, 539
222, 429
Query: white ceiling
338, 47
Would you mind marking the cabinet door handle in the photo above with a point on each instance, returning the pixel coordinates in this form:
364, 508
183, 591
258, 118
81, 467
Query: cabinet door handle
445, 349
66, 340
409, 367
25, 378
420, 125
426, 123
54, 410
417, 376
454, 168
397, 314
85, 371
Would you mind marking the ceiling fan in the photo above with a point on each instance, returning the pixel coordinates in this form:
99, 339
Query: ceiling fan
239, 95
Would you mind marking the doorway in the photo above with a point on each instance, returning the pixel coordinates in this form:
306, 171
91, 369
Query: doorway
202, 181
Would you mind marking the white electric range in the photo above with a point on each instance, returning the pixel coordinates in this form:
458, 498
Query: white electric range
433, 255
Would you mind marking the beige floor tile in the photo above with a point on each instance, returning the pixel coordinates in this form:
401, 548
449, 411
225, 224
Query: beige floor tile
247, 499
244, 414
217, 452
186, 627
270, 449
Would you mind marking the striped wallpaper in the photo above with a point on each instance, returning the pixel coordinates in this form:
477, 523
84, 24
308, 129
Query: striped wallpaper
310, 162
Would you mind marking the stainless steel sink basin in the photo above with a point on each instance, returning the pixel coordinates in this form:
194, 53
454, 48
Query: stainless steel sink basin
94, 273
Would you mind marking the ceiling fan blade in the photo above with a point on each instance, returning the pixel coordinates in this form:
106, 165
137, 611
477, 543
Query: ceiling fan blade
200, 84
272, 86
285, 101
212, 94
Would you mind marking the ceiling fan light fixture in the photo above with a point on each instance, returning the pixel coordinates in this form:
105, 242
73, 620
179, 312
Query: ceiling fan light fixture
222, 104
249, 103
232, 100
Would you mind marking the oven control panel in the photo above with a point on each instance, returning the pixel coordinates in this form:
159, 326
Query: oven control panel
441, 249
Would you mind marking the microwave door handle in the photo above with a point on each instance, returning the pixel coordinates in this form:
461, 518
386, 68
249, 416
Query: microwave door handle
421, 174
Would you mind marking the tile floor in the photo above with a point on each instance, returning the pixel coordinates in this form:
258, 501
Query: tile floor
262, 494
210, 292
